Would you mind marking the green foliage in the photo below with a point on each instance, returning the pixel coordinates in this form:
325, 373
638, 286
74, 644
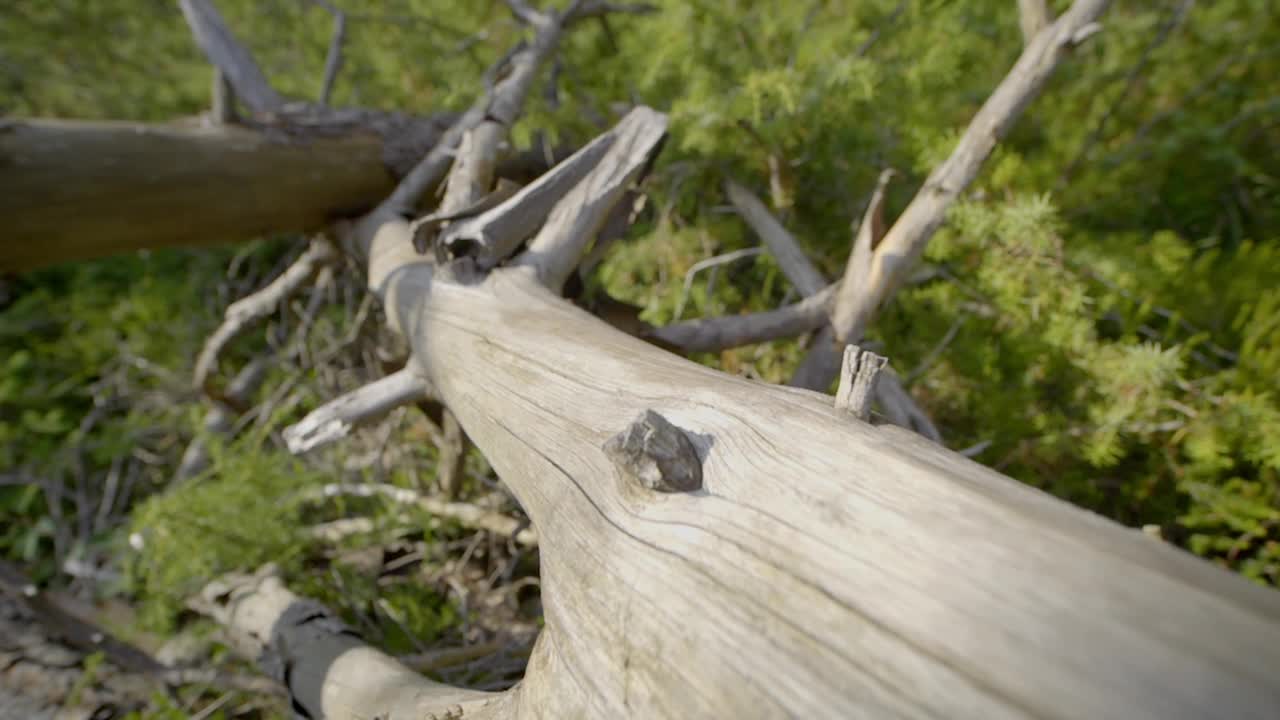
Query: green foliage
88, 353
245, 513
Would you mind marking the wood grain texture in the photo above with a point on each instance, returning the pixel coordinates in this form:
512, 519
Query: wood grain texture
72, 190
827, 568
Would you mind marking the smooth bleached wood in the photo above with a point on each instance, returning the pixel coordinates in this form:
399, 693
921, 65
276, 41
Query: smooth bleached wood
826, 568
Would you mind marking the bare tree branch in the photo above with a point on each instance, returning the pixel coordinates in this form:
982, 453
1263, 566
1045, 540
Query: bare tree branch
823, 361
333, 60
491, 236
573, 223
499, 107
307, 648
248, 310
334, 420
795, 264
223, 105
466, 514
858, 269
228, 55
906, 240
728, 331
711, 262
901, 409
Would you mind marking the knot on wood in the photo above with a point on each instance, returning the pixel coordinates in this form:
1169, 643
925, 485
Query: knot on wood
656, 454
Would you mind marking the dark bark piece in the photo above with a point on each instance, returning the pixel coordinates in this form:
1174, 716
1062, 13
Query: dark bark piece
656, 454
72, 190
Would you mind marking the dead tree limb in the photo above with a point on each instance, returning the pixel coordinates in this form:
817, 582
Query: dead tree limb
325, 667
729, 331
558, 247
223, 100
824, 356
491, 236
229, 56
248, 310
335, 419
823, 360
795, 264
1033, 16
905, 241
73, 190
332, 60
489, 118
466, 514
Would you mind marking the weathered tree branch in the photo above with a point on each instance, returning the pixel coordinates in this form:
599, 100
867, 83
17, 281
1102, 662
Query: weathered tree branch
906, 240
1033, 16
489, 119
325, 667
248, 310
223, 100
73, 190
335, 419
558, 247
795, 264
728, 331
491, 236
824, 358
332, 60
228, 55
858, 268
900, 408
465, 514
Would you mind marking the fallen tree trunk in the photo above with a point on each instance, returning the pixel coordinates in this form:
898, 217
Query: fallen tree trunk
74, 190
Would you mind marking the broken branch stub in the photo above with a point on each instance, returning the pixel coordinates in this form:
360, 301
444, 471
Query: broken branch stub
655, 454
424, 229
858, 375
557, 248
328, 671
